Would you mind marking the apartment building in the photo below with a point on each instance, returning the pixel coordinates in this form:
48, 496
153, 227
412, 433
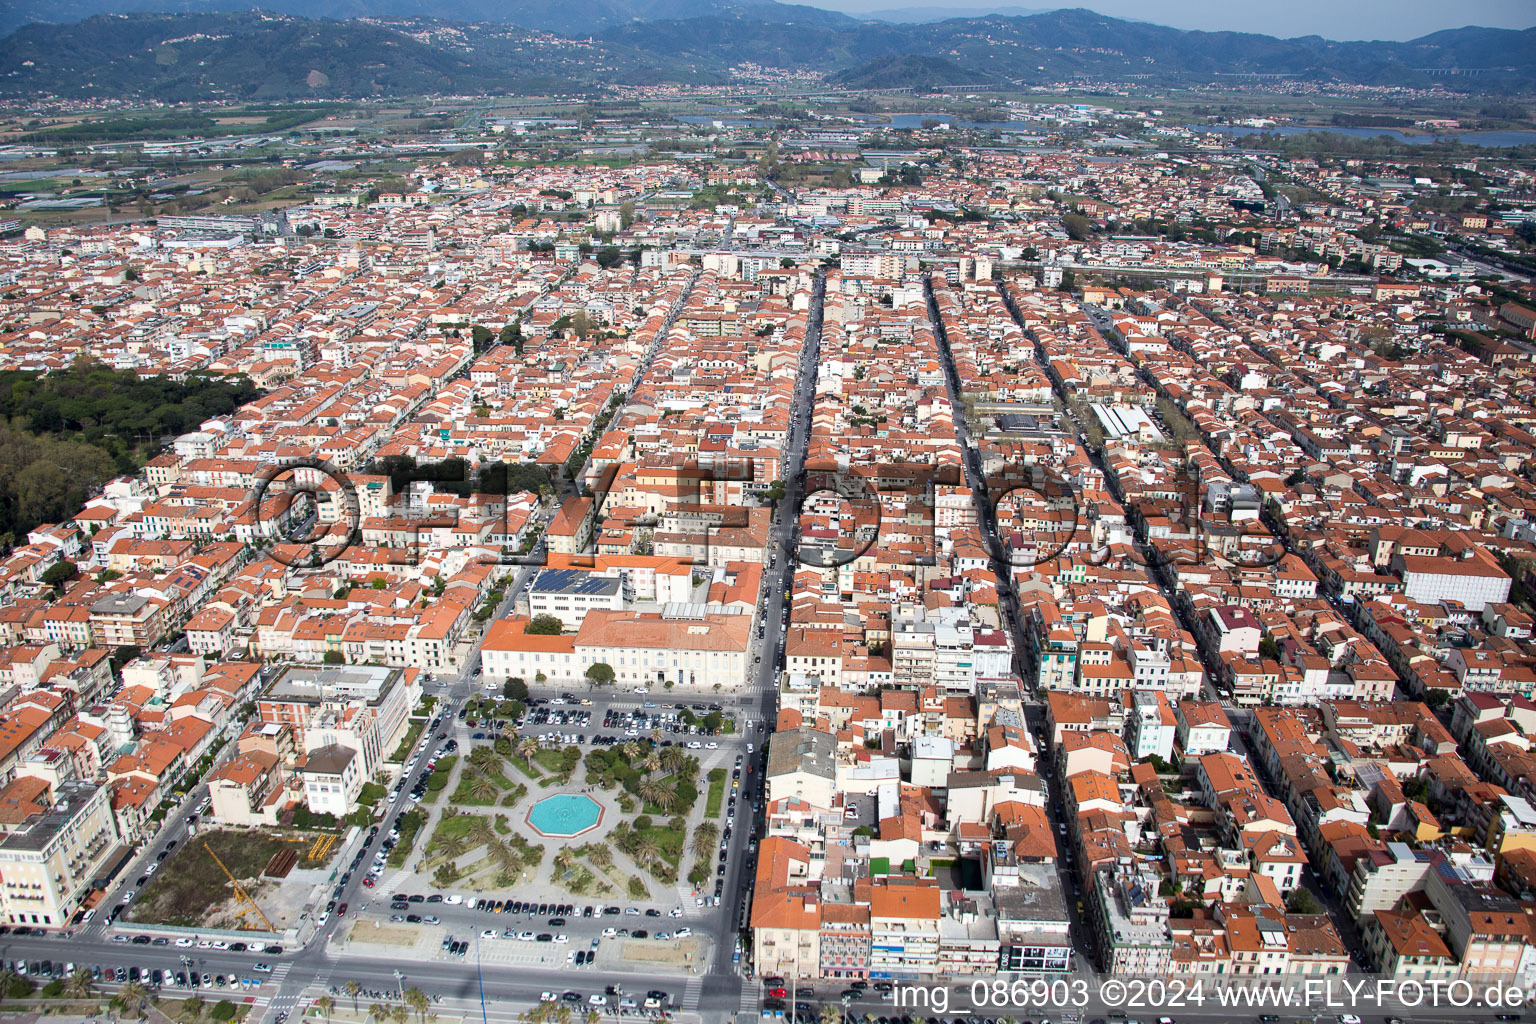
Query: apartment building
54, 842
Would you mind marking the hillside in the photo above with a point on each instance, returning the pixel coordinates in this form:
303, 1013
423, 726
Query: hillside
259, 56
245, 56
908, 70
567, 17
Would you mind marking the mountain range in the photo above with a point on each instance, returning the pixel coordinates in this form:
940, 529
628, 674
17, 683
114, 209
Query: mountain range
354, 48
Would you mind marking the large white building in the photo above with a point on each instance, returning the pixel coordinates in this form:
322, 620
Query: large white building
681, 646
1473, 582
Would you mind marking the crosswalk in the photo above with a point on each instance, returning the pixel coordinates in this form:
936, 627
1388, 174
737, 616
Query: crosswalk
270, 999
751, 1000
691, 994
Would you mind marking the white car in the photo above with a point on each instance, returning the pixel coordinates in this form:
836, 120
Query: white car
562, 937
675, 912
490, 933
183, 943
455, 898
683, 933
711, 745
609, 933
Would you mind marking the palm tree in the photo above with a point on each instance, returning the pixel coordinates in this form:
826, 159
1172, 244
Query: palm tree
353, 988
666, 799
417, 1000
325, 1004
481, 832
502, 855
132, 997
399, 1014
593, 1017
672, 759
377, 1012
647, 851
565, 860
831, 1013
452, 848
485, 759
656, 735
482, 789
649, 763
705, 838
79, 984
600, 855
8, 978
526, 747
631, 751
650, 791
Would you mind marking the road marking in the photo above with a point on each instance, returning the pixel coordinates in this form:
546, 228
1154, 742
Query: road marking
691, 994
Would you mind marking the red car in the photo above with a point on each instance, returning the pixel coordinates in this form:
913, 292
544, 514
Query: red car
777, 993
341, 911
368, 882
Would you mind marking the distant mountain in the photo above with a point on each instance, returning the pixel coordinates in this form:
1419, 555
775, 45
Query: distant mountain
1077, 43
257, 55
245, 57
566, 17
918, 15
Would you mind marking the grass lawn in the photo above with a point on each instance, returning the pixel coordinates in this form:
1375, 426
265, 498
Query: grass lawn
410, 824
454, 827
669, 839
412, 733
553, 762
522, 766
716, 793
468, 779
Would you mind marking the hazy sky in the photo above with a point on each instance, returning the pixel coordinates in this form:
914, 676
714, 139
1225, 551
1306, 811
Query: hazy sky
1334, 19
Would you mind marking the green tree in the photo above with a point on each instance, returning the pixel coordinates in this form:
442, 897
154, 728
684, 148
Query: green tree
514, 689
544, 625
1302, 901
59, 572
600, 673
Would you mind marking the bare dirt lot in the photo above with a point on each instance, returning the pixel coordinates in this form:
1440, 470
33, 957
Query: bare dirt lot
191, 890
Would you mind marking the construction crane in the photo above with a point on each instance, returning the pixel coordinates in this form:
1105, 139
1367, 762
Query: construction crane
241, 896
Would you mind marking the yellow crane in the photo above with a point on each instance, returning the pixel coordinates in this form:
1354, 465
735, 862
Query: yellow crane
241, 896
